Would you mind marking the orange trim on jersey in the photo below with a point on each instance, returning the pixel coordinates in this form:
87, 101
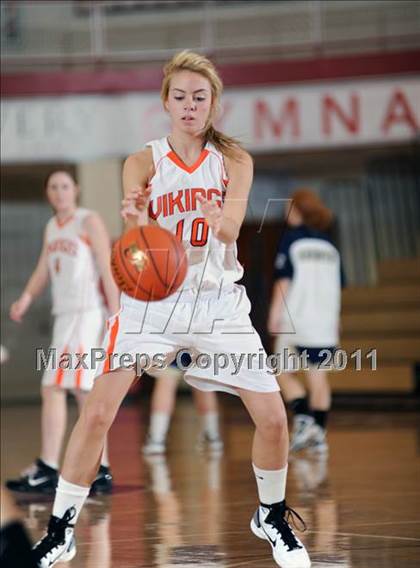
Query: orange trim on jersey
86, 240
60, 372
156, 169
111, 345
190, 169
225, 179
62, 223
79, 371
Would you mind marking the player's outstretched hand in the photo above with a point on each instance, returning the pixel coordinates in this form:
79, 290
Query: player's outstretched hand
212, 212
135, 201
19, 308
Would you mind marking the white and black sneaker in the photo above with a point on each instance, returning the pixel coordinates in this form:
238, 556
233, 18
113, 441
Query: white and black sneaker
318, 441
270, 522
38, 478
302, 432
59, 544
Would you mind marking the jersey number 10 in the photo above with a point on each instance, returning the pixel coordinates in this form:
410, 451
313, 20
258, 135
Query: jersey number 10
199, 231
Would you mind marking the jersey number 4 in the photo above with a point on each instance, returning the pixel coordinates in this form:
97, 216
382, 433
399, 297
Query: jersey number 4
199, 231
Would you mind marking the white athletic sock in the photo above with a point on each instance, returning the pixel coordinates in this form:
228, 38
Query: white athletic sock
271, 484
159, 424
53, 465
69, 495
210, 423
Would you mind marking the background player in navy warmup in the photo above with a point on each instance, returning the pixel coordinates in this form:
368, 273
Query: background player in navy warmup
305, 314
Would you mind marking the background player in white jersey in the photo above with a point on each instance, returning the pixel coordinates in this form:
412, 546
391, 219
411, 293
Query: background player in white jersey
74, 257
305, 314
197, 181
162, 407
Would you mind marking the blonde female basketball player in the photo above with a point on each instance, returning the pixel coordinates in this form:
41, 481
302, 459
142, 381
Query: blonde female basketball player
195, 183
74, 256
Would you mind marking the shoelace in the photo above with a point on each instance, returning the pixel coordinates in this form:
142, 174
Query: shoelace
292, 514
56, 534
279, 517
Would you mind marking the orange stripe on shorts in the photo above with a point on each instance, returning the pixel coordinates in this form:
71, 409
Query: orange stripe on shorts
60, 371
111, 345
80, 370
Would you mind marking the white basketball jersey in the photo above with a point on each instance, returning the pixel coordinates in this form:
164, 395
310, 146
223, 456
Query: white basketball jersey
174, 205
72, 267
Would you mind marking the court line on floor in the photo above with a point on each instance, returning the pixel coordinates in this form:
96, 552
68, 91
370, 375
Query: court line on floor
224, 533
366, 535
244, 563
384, 523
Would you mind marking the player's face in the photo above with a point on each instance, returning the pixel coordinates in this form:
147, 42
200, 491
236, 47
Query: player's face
189, 101
61, 192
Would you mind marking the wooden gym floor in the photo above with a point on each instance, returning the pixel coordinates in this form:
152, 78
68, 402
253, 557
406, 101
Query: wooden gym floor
193, 509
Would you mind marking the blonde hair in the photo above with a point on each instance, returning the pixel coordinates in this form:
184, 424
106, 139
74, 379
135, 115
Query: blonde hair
196, 63
315, 214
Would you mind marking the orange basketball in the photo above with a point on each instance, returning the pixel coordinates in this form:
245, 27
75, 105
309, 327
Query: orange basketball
148, 263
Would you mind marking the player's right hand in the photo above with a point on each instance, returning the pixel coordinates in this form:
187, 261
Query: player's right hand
135, 201
19, 308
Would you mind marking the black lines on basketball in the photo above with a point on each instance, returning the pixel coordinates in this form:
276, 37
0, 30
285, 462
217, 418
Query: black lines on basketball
142, 257
150, 254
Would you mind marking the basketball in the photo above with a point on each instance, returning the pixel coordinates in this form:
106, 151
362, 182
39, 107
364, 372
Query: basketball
148, 263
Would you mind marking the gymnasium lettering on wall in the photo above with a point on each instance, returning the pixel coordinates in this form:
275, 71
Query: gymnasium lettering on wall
81, 128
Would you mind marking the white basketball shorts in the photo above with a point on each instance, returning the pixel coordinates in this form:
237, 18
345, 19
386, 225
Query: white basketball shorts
75, 333
213, 326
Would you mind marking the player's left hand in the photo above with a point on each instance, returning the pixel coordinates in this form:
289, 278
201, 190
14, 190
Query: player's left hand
135, 201
212, 213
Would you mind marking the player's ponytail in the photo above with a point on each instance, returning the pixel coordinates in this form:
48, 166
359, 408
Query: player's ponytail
227, 145
314, 213
190, 61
